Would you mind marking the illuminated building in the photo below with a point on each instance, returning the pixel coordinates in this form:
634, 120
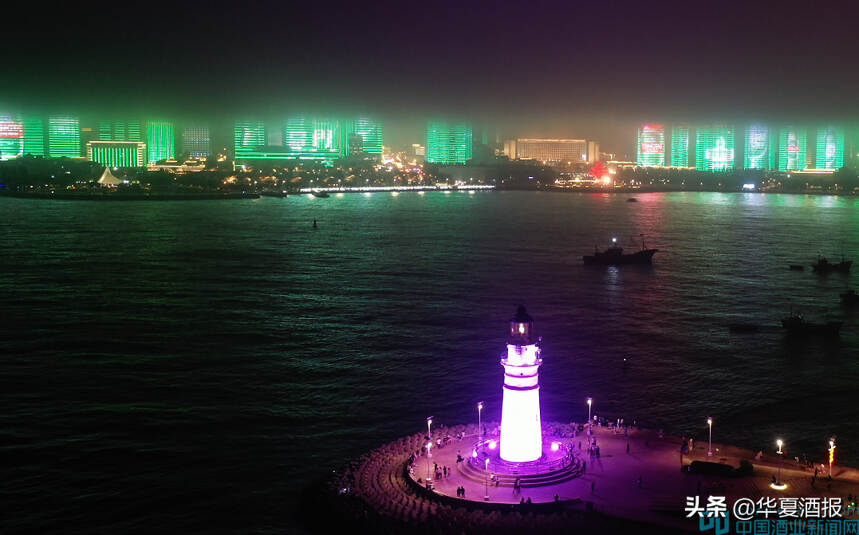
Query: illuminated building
680, 146
830, 148
119, 131
714, 148
363, 135
248, 137
448, 143
160, 141
552, 150
34, 135
758, 152
196, 142
651, 145
521, 430
64, 137
117, 153
316, 139
11, 137
792, 148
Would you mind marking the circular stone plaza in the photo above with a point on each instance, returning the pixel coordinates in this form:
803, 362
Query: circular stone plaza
524, 474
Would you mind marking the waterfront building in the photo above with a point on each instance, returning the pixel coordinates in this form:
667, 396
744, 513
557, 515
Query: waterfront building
448, 143
521, 430
552, 150
316, 139
829, 152
714, 148
651, 145
160, 141
11, 137
758, 153
363, 136
117, 153
196, 142
248, 137
792, 148
119, 131
34, 135
679, 146
64, 136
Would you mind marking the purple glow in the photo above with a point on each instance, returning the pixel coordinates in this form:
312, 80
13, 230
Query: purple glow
474, 453
492, 444
555, 446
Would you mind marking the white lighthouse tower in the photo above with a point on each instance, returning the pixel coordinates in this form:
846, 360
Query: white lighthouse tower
521, 432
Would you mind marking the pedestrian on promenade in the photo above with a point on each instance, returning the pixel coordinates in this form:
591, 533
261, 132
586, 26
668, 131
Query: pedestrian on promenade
593, 484
627, 447
584, 466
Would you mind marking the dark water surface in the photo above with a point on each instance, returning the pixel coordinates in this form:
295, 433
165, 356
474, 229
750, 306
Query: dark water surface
191, 366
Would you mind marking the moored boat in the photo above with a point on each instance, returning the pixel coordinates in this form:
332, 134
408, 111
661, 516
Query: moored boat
614, 255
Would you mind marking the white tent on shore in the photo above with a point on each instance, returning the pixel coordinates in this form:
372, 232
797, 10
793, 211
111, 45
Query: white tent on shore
107, 179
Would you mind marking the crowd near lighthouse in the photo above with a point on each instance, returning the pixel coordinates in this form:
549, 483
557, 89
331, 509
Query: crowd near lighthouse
521, 432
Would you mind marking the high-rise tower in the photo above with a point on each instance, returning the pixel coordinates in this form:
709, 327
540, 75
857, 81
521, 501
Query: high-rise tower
521, 432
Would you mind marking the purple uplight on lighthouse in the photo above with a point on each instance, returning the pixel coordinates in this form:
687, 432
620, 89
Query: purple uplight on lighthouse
521, 431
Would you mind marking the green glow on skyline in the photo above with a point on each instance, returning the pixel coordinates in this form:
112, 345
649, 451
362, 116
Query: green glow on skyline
448, 143
680, 146
792, 148
11, 137
714, 148
161, 141
651, 145
34, 136
830, 148
369, 132
248, 136
758, 153
310, 138
64, 137
117, 153
119, 131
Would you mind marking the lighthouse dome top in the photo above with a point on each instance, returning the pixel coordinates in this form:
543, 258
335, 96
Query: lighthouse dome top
521, 327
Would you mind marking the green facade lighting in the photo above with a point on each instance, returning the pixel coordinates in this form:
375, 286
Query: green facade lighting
651, 145
160, 141
362, 135
830, 148
680, 146
34, 135
448, 143
117, 153
64, 137
792, 148
316, 139
758, 153
714, 148
248, 137
11, 137
119, 131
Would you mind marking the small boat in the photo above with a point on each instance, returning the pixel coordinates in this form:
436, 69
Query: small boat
850, 298
797, 267
632, 199
320, 194
825, 266
743, 327
614, 256
796, 324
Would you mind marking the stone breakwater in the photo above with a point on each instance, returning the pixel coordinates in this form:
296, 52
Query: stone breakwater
375, 494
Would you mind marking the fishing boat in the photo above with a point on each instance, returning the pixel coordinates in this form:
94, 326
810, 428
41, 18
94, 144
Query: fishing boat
320, 194
614, 256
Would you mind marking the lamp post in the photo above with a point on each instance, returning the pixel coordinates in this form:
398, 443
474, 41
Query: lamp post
429, 431
429, 446
710, 446
831, 454
486, 481
479, 425
590, 402
779, 443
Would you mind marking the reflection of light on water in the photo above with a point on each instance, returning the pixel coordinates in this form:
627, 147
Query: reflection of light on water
339, 194
367, 194
611, 277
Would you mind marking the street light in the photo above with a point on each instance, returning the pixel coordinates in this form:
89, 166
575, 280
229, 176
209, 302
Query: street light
831, 455
778, 485
479, 426
429, 431
486, 481
429, 446
590, 402
710, 447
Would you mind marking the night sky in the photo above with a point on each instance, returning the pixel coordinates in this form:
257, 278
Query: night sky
532, 68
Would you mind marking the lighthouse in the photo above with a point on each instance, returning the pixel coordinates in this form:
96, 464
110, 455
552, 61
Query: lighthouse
521, 432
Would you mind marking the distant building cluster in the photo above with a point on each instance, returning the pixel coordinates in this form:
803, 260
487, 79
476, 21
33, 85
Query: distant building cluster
722, 147
552, 151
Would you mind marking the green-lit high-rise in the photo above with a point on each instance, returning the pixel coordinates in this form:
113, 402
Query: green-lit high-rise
830, 148
11, 137
448, 143
307, 138
714, 148
64, 137
680, 146
119, 131
651, 145
34, 135
160, 141
362, 135
792, 148
758, 153
248, 137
